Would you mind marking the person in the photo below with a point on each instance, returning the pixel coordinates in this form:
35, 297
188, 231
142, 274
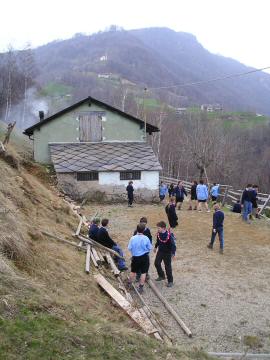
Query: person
214, 192
254, 201
139, 246
170, 190
171, 213
130, 191
218, 219
163, 191
179, 192
202, 195
104, 239
93, 229
237, 207
165, 248
193, 195
246, 202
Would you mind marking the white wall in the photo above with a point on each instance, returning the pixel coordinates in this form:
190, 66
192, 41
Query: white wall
149, 180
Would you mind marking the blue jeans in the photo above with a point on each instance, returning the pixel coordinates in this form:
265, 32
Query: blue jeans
120, 262
247, 210
219, 231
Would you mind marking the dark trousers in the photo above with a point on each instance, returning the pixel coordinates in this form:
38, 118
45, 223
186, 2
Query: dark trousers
130, 199
220, 233
167, 259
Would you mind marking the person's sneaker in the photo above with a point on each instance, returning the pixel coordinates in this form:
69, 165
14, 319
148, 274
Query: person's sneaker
210, 246
170, 284
137, 279
208, 210
190, 208
160, 278
147, 277
140, 289
195, 208
221, 251
124, 269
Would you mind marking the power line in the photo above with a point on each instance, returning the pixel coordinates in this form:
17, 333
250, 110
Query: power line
210, 80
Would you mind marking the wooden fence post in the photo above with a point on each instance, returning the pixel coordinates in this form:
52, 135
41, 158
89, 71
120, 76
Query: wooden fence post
225, 196
264, 205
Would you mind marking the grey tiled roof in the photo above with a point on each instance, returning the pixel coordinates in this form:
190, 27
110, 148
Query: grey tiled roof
104, 156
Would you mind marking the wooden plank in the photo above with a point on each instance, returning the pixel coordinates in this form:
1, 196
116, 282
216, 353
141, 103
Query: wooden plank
169, 308
87, 259
225, 196
95, 255
100, 255
94, 243
93, 258
62, 240
116, 272
232, 197
2, 146
79, 227
135, 314
264, 205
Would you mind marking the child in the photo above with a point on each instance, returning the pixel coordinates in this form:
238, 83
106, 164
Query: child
214, 192
218, 219
163, 191
93, 229
130, 190
139, 246
193, 195
166, 251
202, 195
179, 192
171, 213
170, 190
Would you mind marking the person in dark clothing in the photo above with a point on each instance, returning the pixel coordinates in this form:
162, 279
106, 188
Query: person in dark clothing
171, 213
193, 195
93, 229
166, 248
237, 207
130, 191
218, 219
170, 190
146, 230
246, 202
104, 239
254, 201
179, 192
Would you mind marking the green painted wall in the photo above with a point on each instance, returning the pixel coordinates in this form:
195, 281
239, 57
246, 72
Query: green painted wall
65, 128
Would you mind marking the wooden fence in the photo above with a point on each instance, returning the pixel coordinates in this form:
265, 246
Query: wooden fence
228, 195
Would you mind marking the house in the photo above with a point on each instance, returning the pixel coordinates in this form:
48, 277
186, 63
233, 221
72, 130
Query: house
211, 107
96, 149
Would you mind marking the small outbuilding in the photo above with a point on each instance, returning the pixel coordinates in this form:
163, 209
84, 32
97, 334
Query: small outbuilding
96, 150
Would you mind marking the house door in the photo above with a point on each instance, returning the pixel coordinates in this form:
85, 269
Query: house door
90, 127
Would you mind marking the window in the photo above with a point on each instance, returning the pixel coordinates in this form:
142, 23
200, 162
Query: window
87, 176
130, 175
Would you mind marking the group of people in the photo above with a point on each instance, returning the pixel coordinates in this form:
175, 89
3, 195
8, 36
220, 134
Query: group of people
140, 246
248, 204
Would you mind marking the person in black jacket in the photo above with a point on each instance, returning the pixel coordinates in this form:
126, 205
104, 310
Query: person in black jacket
104, 239
171, 213
193, 195
130, 191
218, 219
166, 248
179, 192
93, 229
246, 202
170, 190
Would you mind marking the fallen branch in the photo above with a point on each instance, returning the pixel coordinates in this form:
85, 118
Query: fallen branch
79, 227
93, 258
169, 308
62, 240
87, 259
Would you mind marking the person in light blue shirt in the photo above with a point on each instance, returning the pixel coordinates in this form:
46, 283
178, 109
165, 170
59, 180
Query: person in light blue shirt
139, 246
202, 195
214, 192
163, 191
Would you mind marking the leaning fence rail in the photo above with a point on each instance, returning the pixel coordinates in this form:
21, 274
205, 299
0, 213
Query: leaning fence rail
228, 195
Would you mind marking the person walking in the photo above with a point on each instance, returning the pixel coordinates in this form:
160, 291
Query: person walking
139, 246
171, 213
193, 195
246, 202
165, 248
218, 219
202, 195
214, 192
130, 191
104, 239
179, 192
163, 191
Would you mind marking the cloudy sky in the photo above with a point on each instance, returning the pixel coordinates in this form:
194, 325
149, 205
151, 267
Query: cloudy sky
234, 28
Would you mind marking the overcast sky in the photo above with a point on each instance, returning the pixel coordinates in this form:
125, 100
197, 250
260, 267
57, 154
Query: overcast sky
234, 28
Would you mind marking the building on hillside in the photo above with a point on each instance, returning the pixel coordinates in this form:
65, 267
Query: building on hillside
211, 107
96, 149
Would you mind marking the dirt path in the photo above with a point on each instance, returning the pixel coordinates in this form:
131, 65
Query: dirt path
221, 298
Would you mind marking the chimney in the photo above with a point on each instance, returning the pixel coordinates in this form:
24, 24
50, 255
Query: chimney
41, 115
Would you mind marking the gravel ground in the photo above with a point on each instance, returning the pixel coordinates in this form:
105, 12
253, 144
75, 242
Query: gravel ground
223, 299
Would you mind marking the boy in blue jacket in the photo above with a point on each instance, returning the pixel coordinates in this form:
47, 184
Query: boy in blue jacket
218, 219
166, 251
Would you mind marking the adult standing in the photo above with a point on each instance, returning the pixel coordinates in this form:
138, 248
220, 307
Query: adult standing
139, 246
179, 192
171, 213
193, 195
202, 195
163, 191
130, 191
254, 201
218, 219
246, 202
